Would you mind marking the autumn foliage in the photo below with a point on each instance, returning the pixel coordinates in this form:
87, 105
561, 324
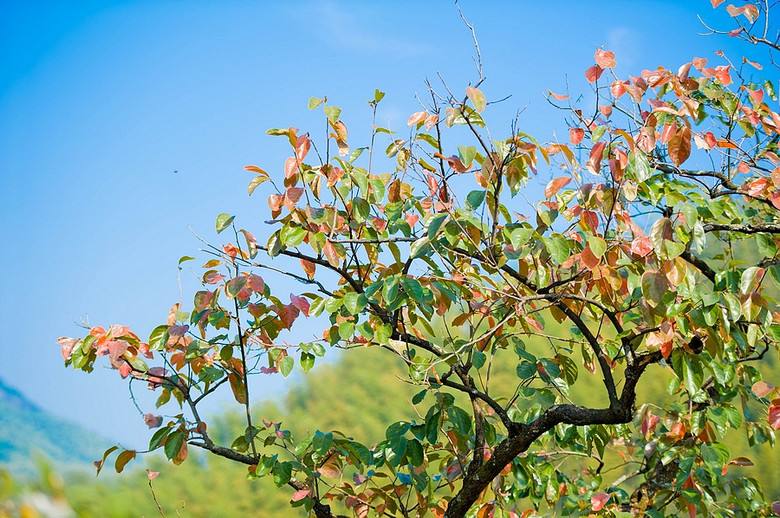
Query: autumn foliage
652, 248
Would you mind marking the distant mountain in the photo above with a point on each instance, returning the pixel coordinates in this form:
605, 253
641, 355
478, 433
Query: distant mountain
26, 430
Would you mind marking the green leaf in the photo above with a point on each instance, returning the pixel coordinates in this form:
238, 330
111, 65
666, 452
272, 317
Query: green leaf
223, 221
378, 95
417, 399
638, 166
478, 359
282, 473
460, 420
332, 113
159, 337
307, 361
597, 245
122, 460
316, 101
185, 258
435, 224
420, 247
467, 154
519, 236
286, 365
474, 199
748, 279
173, 444
255, 182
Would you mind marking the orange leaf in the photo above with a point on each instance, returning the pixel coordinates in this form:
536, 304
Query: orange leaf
416, 118
594, 162
555, 185
679, 145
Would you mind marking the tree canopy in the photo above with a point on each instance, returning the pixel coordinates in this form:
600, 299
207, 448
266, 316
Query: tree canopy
654, 245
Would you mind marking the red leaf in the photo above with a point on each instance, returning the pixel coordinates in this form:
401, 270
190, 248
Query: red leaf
593, 73
716, 3
555, 185
605, 58
598, 501
153, 421
576, 135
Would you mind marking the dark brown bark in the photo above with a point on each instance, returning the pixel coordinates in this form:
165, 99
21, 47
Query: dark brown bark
523, 436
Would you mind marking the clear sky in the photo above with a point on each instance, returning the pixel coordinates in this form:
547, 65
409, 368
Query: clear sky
100, 102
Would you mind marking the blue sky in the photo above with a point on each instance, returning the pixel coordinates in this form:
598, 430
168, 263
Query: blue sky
100, 102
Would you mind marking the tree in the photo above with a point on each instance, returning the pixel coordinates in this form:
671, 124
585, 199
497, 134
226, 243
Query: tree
655, 248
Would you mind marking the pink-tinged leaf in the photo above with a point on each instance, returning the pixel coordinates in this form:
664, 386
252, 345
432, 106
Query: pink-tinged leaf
477, 98
641, 246
293, 194
594, 162
275, 203
710, 139
301, 493
757, 66
125, 369
177, 330
66, 346
301, 303
649, 422
598, 501
757, 96
555, 185
618, 88
151, 475
776, 507
302, 147
255, 283
416, 118
723, 75
774, 414
412, 219
576, 135
775, 199
605, 58
593, 73
231, 250
153, 421
749, 11
762, 388
558, 97
716, 3
331, 254
290, 167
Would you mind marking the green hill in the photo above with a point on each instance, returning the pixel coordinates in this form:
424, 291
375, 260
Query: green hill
27, 430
